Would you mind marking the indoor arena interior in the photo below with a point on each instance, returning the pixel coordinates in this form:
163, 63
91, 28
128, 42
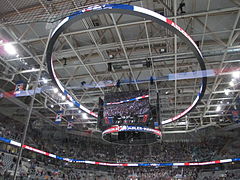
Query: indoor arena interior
119, 89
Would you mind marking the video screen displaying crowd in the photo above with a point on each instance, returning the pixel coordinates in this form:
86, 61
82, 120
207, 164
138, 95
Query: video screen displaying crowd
137, 107
62, 143
136, 111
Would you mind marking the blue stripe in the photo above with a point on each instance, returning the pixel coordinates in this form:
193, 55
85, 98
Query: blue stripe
121, 6
65, 92
236, 159
5, 140
165, 164
98, 7
75, 14
58, 157
144, 164
77, 104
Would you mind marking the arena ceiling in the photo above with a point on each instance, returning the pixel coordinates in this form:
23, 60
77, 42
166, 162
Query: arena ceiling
84, 51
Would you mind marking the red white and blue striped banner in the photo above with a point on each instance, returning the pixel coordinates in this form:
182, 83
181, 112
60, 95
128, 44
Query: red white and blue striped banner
118, 164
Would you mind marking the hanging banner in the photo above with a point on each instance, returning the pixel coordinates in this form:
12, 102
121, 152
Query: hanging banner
19, 87
235, 116
70, 124
156, 125
59, 117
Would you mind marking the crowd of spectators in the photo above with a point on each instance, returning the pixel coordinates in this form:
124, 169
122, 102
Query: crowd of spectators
233, 174
138, 107
77, 147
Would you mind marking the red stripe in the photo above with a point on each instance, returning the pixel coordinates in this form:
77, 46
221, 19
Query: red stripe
9, 94
169, 21
217, 162
186, 164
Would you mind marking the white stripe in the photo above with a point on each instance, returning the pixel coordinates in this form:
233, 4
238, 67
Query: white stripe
226, 160
149, 12
59, 25
178, 164
15, 143
52, 155
167, 121
90, 162
132, 165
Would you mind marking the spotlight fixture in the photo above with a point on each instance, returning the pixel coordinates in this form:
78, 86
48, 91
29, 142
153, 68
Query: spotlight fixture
227, 91
162, 50
84, 116
44, 80
63, 97
70, 103
109, 67
231, 83
236, 74
65, 61
148, 63
52, 106
111, 56
218, 108
83, 83
55, 90
118, 83
151, 80
10, 49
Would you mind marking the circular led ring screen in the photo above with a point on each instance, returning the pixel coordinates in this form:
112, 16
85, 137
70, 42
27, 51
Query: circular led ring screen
125, 128
129, 10
117, 128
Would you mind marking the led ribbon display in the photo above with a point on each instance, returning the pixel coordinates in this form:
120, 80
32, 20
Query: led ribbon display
117, 164
130, 10
129, 100
132, 128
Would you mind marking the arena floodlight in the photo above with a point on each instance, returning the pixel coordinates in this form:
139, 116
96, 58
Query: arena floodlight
10, 49
55, 90
218, 108
44, 80
70, 103
227, 91
84, 116
236, 74
63, 97
231, 83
